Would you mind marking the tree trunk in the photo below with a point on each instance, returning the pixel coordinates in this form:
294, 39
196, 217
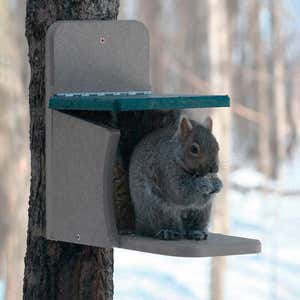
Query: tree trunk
261, 84
149, 12
250, 94
56, 270
278, 86
295, 109
219, 40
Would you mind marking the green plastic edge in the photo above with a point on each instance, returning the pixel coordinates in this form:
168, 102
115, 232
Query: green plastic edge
137, 103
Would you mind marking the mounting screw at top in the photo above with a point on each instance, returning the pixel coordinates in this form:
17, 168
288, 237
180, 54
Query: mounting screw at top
102, 40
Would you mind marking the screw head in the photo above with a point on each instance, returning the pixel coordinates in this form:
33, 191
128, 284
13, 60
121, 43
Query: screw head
102, 40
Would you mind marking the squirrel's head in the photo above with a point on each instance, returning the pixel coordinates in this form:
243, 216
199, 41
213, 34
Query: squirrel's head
198, 148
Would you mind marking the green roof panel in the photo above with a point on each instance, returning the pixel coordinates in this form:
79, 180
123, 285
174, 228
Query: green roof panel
136, 102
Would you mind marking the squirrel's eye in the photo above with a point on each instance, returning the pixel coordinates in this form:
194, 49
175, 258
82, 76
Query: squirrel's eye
194, 149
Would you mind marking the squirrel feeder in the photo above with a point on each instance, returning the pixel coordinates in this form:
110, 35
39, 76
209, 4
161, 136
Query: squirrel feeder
104, 66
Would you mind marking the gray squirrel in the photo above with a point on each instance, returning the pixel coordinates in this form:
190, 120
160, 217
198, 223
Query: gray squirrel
172, 179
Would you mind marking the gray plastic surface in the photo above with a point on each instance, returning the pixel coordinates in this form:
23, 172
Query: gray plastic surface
215, 245
100, 56
79, 179
87, 56
81, 63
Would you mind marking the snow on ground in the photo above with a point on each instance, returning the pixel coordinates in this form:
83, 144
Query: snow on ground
149, 276
1, 290
291, 174
247, 177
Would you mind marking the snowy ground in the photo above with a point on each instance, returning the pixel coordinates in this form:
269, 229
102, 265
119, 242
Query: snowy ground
271, 217
1, 290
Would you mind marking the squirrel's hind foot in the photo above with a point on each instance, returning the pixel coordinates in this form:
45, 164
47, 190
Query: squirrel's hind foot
197, 235
168, 234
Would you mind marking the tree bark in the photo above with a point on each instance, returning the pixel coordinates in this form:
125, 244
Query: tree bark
56, 270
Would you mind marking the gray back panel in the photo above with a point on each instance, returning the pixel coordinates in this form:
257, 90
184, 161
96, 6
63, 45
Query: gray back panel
87, 56
93, 56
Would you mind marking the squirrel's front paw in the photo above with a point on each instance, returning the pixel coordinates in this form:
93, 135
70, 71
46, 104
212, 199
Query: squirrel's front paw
217, 185
196, 235
168, 234
205, 186
209, 185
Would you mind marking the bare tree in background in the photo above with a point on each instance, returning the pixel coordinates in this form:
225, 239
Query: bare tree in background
56, 270
278, 86
219, 41
149, 12
19, 12
261, 80
249, 72
295, 104
14, 168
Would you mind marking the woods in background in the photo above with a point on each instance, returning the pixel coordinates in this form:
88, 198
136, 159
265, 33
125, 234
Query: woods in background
242, 48
260, 68
14, 149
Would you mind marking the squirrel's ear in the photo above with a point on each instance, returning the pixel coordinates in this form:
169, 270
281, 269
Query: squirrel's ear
185, 127
208, 123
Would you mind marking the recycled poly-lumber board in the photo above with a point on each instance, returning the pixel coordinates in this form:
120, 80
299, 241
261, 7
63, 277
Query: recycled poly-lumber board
79, 207
77, 61
137, 102
215, 245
